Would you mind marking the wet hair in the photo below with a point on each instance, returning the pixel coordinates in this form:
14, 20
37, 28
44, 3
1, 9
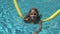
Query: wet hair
36, 10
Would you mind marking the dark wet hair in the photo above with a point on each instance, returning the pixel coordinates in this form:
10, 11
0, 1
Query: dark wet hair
36, 10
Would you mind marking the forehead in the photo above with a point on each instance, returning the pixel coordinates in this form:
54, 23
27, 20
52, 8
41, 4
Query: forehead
33, 11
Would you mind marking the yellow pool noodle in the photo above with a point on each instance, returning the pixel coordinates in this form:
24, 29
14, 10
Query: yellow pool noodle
47, 19
52, 16
18, 9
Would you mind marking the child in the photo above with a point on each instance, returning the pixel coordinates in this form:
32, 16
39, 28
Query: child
34, 17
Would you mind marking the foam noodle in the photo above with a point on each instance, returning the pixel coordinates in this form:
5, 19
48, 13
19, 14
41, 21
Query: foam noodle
47, 19
18, 9
52, 16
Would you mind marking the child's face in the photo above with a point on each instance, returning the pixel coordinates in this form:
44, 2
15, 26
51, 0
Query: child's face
33, 14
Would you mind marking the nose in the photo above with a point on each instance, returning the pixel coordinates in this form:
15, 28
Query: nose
32, 15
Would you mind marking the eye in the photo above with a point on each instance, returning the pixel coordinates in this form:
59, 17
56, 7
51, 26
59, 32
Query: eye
35, 14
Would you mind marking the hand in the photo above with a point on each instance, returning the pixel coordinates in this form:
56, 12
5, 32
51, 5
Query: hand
27, 18
35, 33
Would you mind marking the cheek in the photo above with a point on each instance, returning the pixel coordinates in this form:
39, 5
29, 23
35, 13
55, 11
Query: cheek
32, 15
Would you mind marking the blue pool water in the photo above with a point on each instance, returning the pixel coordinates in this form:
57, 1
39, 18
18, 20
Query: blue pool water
11, 23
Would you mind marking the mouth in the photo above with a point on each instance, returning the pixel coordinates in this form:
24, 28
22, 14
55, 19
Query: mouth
32, 17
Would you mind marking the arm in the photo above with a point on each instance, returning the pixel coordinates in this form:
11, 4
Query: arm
40, 27
39, 30
26, 18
